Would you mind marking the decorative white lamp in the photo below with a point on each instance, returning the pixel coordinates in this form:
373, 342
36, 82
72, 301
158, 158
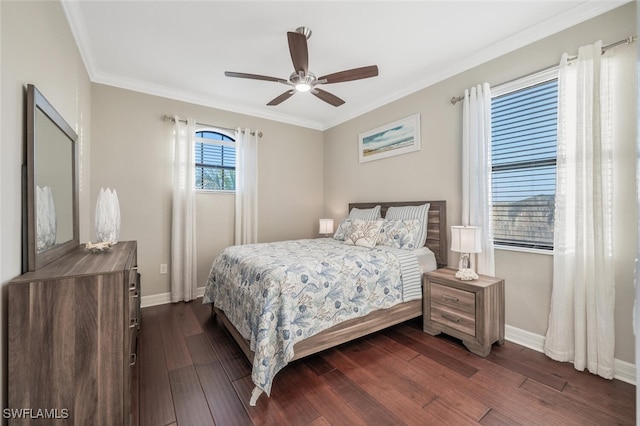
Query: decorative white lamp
466, 240
326, 227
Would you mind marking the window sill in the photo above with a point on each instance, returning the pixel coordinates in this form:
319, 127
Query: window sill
523, 249
214, 191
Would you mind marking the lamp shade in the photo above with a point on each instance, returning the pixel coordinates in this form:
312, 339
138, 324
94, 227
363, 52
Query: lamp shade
466, 239
326, 226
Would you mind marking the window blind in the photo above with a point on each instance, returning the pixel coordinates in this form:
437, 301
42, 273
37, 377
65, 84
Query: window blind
215, 161
524, 140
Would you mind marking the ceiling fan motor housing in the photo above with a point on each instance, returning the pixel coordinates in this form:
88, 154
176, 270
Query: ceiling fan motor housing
306, 31
299, 80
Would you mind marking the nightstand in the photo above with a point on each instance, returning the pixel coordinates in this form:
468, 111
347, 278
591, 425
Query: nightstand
472, 311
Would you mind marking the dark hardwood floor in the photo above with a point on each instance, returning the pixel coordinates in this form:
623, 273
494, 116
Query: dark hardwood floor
192, 373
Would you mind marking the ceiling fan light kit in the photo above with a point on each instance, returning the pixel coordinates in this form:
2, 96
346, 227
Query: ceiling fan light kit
302, 80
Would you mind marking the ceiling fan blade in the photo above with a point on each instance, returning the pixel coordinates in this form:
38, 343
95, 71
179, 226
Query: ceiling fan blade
349, 75
254, 77
299, 51
327, 97
278, 100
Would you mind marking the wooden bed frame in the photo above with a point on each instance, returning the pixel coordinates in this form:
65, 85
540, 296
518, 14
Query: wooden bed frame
376, 320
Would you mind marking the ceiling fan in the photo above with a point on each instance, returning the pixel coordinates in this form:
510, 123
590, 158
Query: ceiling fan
302, 80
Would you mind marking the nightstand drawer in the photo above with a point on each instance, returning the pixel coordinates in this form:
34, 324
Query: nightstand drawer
456, 319
459, 300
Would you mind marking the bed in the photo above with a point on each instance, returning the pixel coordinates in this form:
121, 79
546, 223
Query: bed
341, 291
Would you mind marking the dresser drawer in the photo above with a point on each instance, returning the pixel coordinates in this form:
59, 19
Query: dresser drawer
134, 295
459, 320
453, 298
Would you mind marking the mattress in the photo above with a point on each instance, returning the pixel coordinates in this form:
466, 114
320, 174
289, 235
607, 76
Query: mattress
414, 263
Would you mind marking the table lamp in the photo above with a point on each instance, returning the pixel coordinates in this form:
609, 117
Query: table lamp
466, 240
326, 227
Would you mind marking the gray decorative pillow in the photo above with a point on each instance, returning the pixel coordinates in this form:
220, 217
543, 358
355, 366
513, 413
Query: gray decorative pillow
341, 232
412, 212
400, 233
365, 214
364, 232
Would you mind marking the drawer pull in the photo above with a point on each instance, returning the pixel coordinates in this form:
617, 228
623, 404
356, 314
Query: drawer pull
450, 298
450, 317
132, 359
132, 286
133, 323
135, 295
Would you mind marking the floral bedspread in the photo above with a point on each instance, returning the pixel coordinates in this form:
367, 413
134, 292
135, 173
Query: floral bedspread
277, 294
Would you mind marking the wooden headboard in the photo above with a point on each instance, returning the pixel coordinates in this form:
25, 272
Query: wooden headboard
436, 227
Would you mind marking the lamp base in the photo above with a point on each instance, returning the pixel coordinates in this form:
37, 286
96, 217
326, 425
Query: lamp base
466, 274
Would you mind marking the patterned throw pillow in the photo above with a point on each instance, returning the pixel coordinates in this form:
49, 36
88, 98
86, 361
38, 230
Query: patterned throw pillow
364, 232
343, 228
365, 214
400, 233
412, 212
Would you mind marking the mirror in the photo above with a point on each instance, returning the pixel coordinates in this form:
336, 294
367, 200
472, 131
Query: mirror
51, 184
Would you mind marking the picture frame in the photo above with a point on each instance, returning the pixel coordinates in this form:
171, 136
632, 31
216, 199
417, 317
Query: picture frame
396, 138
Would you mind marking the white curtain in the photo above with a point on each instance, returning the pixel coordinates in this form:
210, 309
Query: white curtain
246, 186
581, 320
476, 170
183, 222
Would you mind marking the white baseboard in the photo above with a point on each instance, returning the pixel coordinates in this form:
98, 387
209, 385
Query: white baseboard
625, 371
163, 298
524, 338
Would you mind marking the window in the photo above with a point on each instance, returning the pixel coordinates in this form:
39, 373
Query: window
215, 161
524, 127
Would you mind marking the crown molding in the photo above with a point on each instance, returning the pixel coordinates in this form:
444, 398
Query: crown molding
179, 95
73, 13
580, 13
575, 15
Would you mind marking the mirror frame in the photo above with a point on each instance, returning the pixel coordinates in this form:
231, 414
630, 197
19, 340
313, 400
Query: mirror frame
35, 260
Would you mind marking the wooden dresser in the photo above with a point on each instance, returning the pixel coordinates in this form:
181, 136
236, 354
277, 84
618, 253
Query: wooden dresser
472, 311
73, 328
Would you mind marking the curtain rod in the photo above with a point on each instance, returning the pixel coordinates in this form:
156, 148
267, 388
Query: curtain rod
454, 100
183, 120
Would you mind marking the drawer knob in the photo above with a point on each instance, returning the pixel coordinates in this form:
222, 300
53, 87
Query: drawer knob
449, 298
133, 323
450, 317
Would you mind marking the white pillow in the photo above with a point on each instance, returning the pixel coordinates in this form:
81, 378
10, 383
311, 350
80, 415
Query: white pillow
400, 233
365, 214
364, 233
412, 212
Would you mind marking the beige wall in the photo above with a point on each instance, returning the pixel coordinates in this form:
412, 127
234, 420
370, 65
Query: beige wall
132, 152
435, 172
36, 47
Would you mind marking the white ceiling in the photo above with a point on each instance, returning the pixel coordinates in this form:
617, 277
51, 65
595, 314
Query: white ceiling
180, 49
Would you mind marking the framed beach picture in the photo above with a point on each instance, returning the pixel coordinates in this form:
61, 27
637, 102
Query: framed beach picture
399, 137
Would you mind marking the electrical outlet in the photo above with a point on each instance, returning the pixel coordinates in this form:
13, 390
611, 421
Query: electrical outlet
163, 268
